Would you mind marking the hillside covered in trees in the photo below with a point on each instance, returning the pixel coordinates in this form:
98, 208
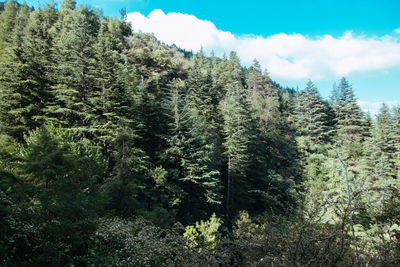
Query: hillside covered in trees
118, 150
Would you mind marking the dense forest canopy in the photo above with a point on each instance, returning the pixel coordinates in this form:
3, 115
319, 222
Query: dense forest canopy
116, 149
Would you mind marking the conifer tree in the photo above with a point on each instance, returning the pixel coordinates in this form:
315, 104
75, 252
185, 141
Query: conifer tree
67, 5
128, 187
220, 75
191, 158
237, 135
311, 118
384, 140
63, 172
255, 81
235, 69
201, 90
112, 99
7, 23
26, 83
396, 137
349, 120
263, 97
271, 169
75, 69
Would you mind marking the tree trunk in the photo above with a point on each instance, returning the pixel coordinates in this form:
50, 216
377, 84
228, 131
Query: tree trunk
228, 194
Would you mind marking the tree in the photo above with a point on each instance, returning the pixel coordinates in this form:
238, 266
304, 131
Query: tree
190, 159
349, 120
112, 99
57, 179
237, 135
383, 139
202, 94
396, 130
7, 23
75, 69
311, 118
26, 84
67, 5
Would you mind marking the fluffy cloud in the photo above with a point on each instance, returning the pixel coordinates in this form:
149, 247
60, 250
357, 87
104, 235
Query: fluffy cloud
186, 31
287, 56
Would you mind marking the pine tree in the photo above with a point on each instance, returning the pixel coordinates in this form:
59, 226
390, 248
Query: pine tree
112, 100
7, 23
384, 124
396, 136
155, 67
75, 69
237, 135
384, 140
255, 81
201, 90
225, 72
263, 97
128, 187
67, 5
25, 83
311, 118
235, 69
220, 75
63, 171
191, 159
271, 173
349, 120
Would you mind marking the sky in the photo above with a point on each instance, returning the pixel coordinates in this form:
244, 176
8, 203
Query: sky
321, 40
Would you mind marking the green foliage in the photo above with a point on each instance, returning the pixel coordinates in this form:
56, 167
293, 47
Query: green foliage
349, 121
138, 243
311, 119
111, 140
7, 22
193, 182
237, 135
290, 241
53, 198
204, 234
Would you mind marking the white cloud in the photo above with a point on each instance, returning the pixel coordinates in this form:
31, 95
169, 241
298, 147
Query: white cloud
374, 107
186, 31
286, 56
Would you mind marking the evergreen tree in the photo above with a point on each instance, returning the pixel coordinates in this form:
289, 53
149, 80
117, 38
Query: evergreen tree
25, 83
396, 135
128, 188
272, 173
76, 69
349, 120
255, 80
225, 72
155, 67
67, 5
191, 159
311, 118
384, 141
7, 23
235, 69
237, 135
66, 198
112, 100
220, 75
201, 90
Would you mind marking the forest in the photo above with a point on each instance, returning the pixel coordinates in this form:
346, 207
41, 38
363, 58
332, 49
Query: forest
119, 150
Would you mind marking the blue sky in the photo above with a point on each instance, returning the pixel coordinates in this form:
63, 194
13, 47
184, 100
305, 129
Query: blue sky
295, 40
